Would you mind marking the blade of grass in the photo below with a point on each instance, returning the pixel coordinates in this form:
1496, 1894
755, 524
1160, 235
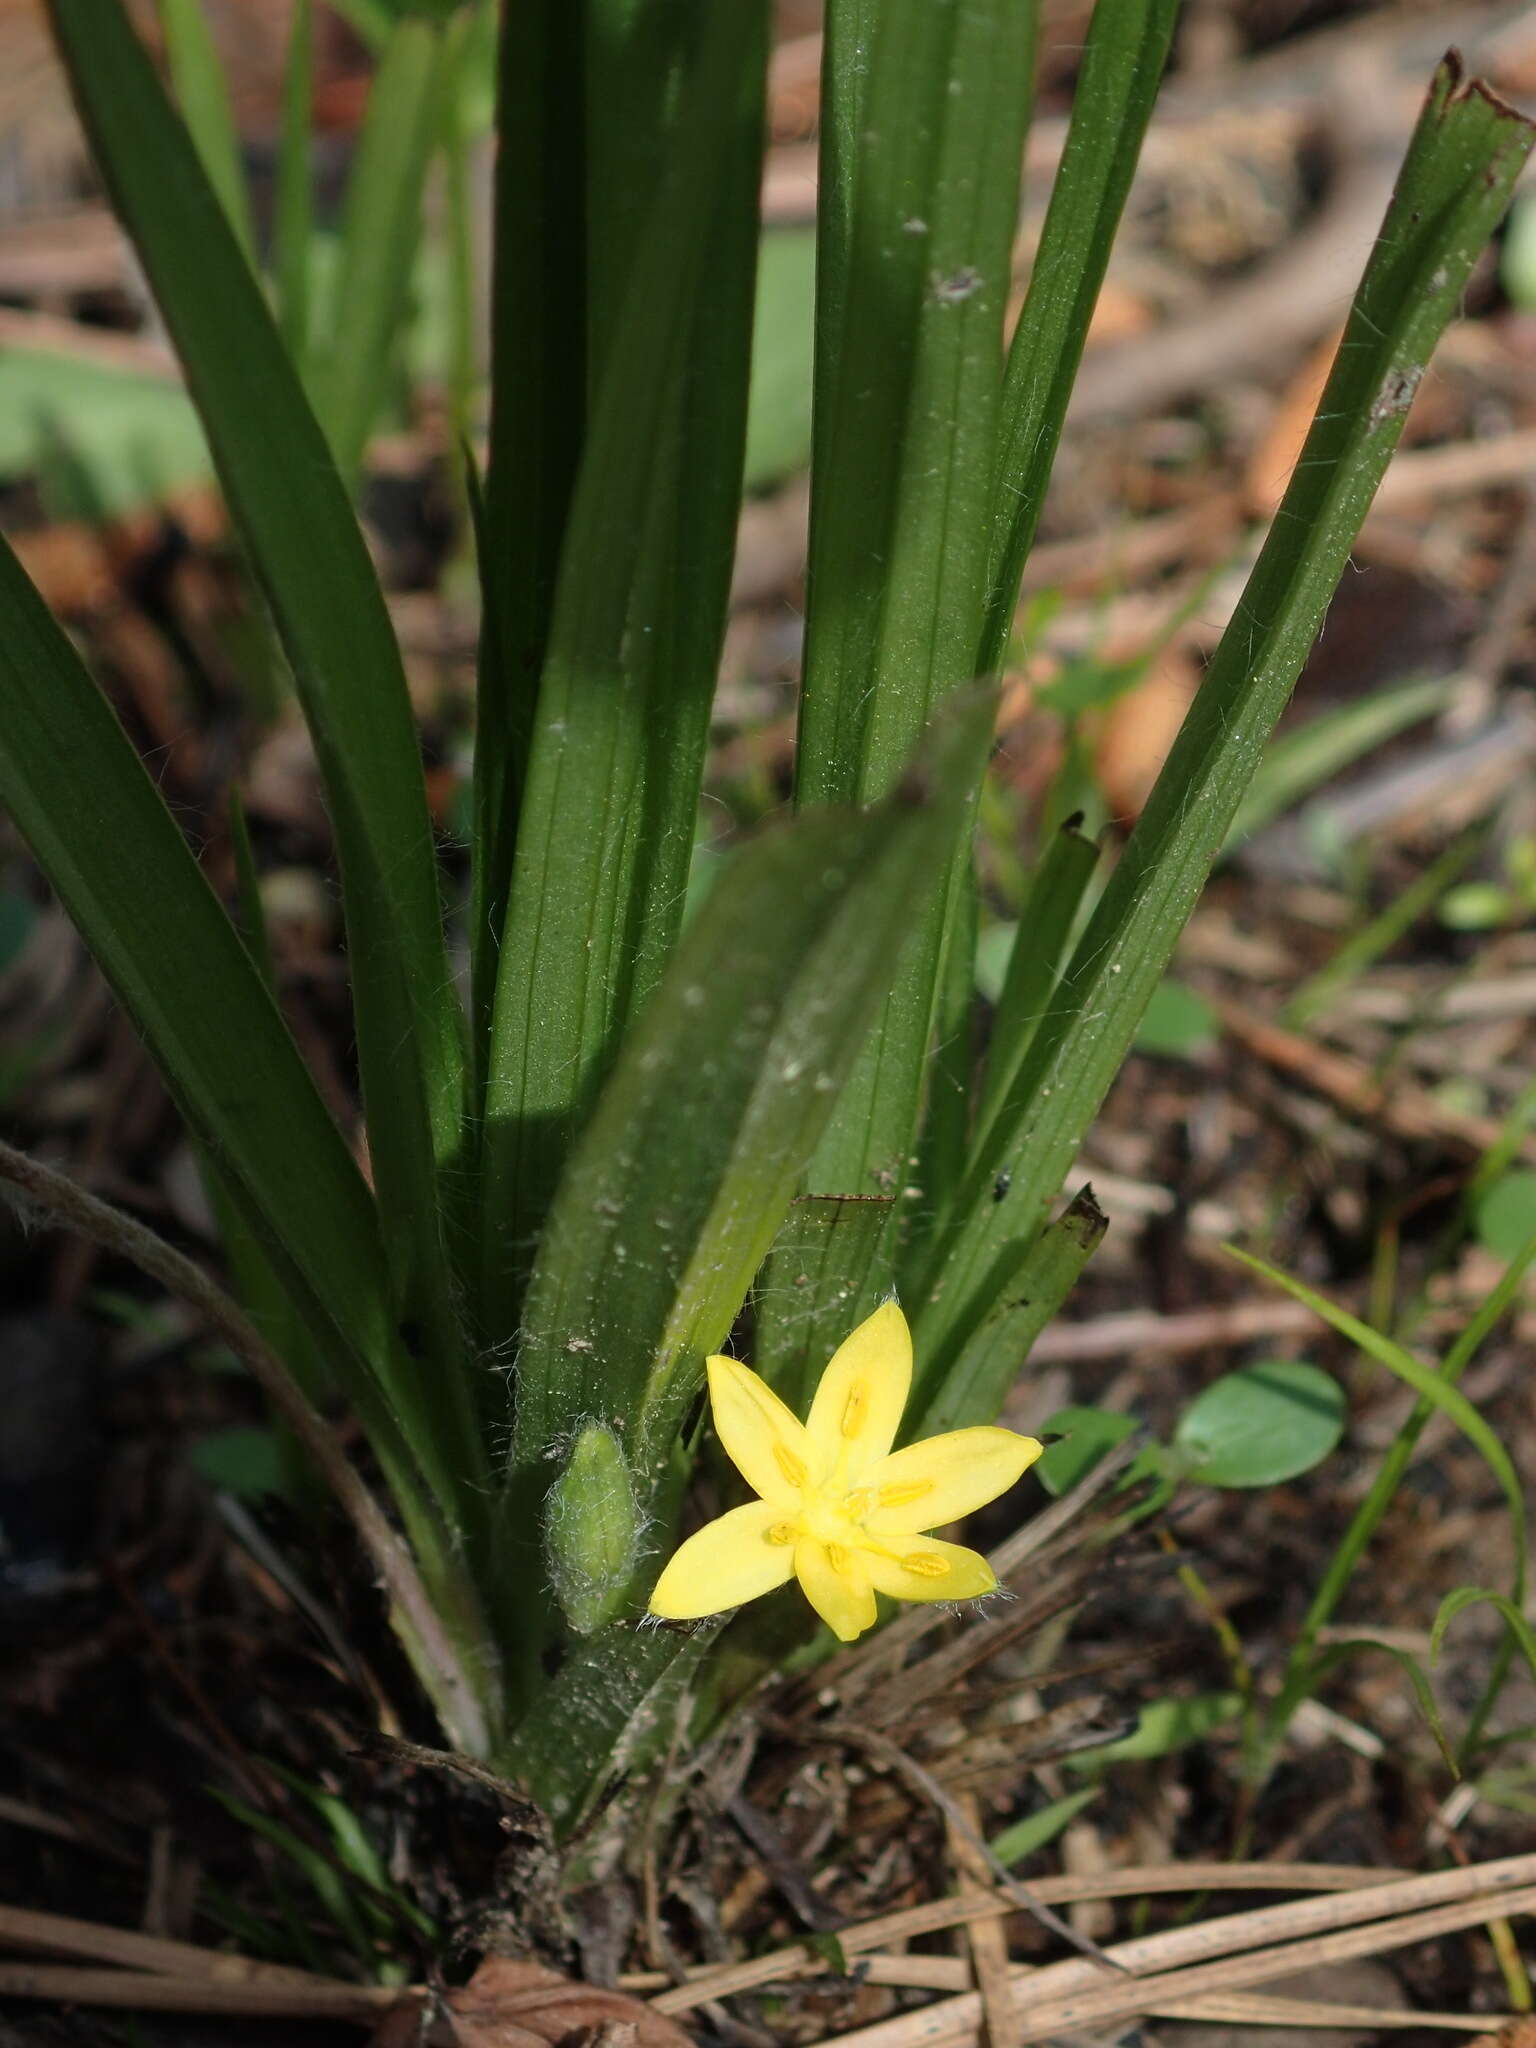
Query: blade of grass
1436, 1390
1049, 912
1365, 945
538, 420
611, 793
293, 223
1465, 155
923, 136
303, 539
1122, 68
381, 229
1299, 762
202, 93
974, 1388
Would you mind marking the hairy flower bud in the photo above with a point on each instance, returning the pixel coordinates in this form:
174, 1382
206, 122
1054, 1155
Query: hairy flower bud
591, 1530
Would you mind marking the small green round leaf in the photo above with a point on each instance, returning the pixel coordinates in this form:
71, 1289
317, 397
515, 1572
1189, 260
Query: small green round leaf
1087, 1434
1261, 1425
1506, 1214
1177, 1023
1475, 906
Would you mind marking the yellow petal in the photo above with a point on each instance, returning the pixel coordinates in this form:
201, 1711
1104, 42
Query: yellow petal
726, 1562
766, 1443
922, 1568
857, 1409
945, 1477
836, 1583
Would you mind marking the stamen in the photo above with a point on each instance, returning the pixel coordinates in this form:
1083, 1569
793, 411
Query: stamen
789, 1464
837, 1557
926, 1564
856, 1408
900, 1491
779, 1532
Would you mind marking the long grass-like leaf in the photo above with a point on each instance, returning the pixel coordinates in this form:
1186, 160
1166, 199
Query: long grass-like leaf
610, 798
538, 419
921, 162
380, 233
303, 540
1111, 104
202, 93
1465, 155
293, 221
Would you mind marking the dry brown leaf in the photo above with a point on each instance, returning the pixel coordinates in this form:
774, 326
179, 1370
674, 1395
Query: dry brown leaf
1270, 465
510, 2003
1139, 728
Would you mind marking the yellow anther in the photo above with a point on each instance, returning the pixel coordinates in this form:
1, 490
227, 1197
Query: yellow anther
900, 1491
789, 1464
779, 1532
837, 1557
855, 1408
926, 1564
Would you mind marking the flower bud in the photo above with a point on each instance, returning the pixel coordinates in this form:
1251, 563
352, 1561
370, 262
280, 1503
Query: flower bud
591, 1530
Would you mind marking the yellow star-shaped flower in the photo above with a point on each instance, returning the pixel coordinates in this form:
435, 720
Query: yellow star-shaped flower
837, 1508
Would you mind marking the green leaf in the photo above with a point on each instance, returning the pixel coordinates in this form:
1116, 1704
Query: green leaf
1163, 1727
302, 537
689, 1164
1117, 83
380, 232
1436, 1388
293, 223
202, 93
1087, 1435
826, 1270
615, 1704
1506, 1214
974, 1387
1340, 1653
1262, 1424
783, 348
1301, 761
538, 419
1177, 1023
919, 190
1039, 1829
1462, 163
1368, 942
1474, 1596
610, 798
1045, 924
101, 441
246, 1461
